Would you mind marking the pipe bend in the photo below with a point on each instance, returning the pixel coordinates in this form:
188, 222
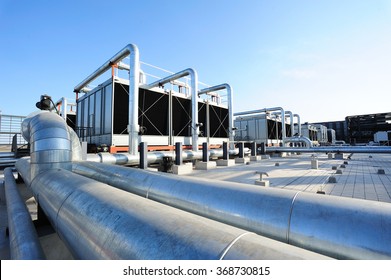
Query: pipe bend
129, 49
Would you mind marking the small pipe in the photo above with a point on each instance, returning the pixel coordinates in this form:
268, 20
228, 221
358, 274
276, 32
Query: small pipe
24, 242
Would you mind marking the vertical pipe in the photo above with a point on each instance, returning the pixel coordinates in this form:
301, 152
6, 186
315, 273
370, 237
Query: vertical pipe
263, 150
178, 153
291, 122
298, 124
207, 122
134, 71
253, 149
205, 157
241, 149
225, 150
133, 128
229, 90
170, 130
143, 155
194, 99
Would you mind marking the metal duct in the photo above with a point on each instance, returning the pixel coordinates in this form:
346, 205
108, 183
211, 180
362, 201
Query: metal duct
97, 221
229, 90
335, 226
24, 242
194, 99
134, 72
265, 110
50, 141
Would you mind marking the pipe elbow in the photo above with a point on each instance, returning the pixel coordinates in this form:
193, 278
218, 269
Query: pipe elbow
192, 73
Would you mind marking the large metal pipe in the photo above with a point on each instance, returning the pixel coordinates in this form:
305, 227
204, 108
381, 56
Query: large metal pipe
24, 242
298, 124
97, 221
333, 149
134, 72
335, 226
112, 224
229, 90
266, 110
194, 99
156, 157
291, 121
51, 145
299, 139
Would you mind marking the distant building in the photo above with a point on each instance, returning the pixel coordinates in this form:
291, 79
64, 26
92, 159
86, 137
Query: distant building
362, 128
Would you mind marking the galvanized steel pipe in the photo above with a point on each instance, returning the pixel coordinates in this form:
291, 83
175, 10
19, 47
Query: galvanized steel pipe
299, 139
229, 90
333, 149
134, 72
154, 157
51, 144
298, 124
335, 226
24, 242
194, 99
97, 221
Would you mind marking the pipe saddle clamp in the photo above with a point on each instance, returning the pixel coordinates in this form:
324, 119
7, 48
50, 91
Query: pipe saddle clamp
260, 174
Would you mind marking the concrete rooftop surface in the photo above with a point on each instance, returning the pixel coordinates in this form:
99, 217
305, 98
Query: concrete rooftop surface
357, 176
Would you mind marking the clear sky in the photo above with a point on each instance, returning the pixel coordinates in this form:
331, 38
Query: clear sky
323, 59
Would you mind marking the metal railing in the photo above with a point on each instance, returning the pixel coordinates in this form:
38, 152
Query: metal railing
9, 126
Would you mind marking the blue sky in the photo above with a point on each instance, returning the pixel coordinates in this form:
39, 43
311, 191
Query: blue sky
322, 59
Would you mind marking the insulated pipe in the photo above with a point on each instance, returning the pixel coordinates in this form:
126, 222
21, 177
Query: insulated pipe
229, 90
96, 221
194, 99
124, 66
134, 71
51, 145
299, 139
333, 149
291, 121
298, 124
265, 110
24, 242
155, 157
338, 227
